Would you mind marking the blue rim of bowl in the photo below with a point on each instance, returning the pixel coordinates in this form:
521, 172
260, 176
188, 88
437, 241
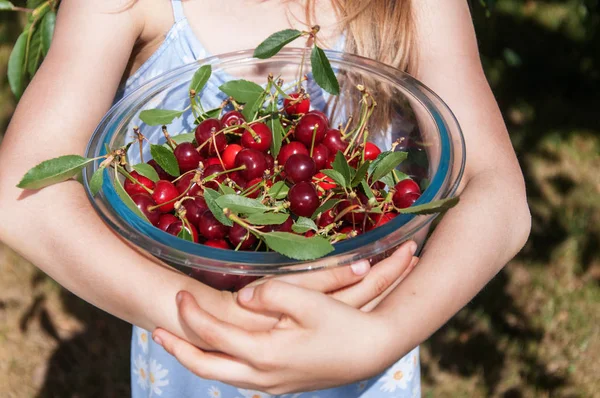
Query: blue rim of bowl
246, 258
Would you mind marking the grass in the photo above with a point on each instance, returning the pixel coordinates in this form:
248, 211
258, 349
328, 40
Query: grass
534, 331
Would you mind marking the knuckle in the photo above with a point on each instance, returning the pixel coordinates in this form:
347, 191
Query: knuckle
269, 291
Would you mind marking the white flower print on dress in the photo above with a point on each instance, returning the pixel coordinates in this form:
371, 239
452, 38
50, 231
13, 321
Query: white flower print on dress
253, 394
398, 376
140, 369
142, 339
157, 377
214, 392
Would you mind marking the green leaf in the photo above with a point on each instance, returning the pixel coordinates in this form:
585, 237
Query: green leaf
241, 204
53, 171
226, 190
388, 163
340, 164
186, 137
336, 176
147, 171
330, 204
437, 206
304, 224
96, 181
47, 29
16, 66
388, 180
35, 52
6, 5
211, 196
267, 218
281, 92
275, 42
253, 106
210, 114
165, 159
277, 131
200, 78
279, 190
243, 91
158, 117
296, 246
322, 71
127, 199
367, 190
185, 234
361, 173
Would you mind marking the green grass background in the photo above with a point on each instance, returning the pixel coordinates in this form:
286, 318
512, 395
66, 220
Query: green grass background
534, 331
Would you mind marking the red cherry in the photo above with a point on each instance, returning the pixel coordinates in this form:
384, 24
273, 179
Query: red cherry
218, 244
371, 151
324, 182
184, 182
236, 177
290, 149
175, 228
406, 201
238, 235
187, 156
310, 125
270, 161
403, 188
293, 106
193, 209
348, 230
285, 226
229, 155
303, 199
326, 218
210, 227
320, 156
212, 161
300, 168
165, 192
132, 188
144, 201
205, 132
322, 116
165, 220
377, 220
233, 118
334, 142
254, 161
251, 186
162, 175
214, 169
260, 140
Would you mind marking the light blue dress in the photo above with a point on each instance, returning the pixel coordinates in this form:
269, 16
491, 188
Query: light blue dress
156, 373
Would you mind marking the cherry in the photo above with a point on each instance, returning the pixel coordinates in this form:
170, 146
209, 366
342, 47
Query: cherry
233, 118
294, 106
348, 230
334, 142
403, 188
205, 131
214, 169
184, 182
260, 140
229, 155
406, 201
326, 218
210, 227
216, 280
162, 175
310, 234
187, 156
175, 228
309, 125
194, 209
324, 182
320, 156
144, 201
270, 161
132, 188
253, 160
285, 226
212, 161
303, 199
165, 220
300, 168
377, 220
164, 192
218, 244
255, 191
371, 151
236, 177
290, 149
322, 116
238, 235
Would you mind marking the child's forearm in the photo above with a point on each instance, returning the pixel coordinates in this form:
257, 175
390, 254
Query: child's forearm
469, 246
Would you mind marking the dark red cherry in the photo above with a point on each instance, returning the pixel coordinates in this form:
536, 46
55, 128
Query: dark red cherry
303, 199
162, 175
165, 220
371, 151
229, 155
285, 226
253, 188
164, 192
300, 168
294, 105
194, 209
184, 182
205, 132
308, 126
377, 220
326, 218
236, 177
290, 149
260, 140
320, 156
238, 235
322, 116
233, 118
175, 228
144, 201
334, 142
254, 161
187, 156
218, 244
403, 188
210, 227
406, 201
270, 161
133, 188
211, 170
212, 161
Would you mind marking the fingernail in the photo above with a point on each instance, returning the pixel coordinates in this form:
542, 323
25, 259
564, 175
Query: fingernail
246, 294
360, 268
179, 297
157, 340
412, 246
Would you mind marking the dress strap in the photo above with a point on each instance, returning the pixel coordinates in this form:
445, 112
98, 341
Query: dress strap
178, 10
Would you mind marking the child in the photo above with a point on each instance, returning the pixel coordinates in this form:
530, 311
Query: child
96, 48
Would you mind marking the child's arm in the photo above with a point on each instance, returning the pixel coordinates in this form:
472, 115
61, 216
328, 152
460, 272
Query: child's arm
470, 245
56, 228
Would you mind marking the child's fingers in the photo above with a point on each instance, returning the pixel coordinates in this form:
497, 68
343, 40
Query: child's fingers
382, 277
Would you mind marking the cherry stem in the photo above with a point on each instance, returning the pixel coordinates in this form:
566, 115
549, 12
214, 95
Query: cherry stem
170, 141
125, 173
314, 134
228, 213
140, 138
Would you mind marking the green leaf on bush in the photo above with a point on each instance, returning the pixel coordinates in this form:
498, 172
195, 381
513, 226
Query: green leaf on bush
437, 206
211, 196
53, 171
158, 117
47, 29
241, 204
96, 181
274, 43
200, 78
267, 218
165, 159
304, 224
387, 163
296, 246
147, 171
279, 190
16, 66
243, 91
322, 71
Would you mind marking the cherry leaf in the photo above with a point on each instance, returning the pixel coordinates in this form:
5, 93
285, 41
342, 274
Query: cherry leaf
147, 171
47, 29
437, 206
53, 171
340, 164
16, 66
211, 196
279, 190
336, 176
185, 234
361, 173
387, 163
158, 117
243, 91
200, 78
330, 204
304, 224
127, 199
296, 246
165, 159
96, 181
274, 43
322, 71
267, 218
241, 204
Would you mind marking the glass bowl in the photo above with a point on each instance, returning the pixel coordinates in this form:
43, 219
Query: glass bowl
414, 115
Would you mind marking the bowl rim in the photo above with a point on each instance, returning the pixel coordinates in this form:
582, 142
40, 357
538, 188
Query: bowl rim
268, 262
